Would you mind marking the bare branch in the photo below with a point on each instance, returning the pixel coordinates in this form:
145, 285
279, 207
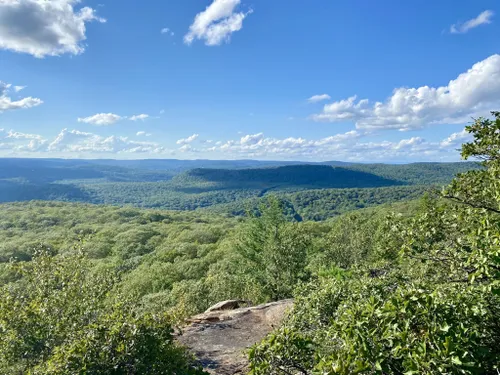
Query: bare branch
471, 204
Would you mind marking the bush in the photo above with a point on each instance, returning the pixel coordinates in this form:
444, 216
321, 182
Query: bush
433, 304
62, 317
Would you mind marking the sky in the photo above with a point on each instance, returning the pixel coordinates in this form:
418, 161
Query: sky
358, 80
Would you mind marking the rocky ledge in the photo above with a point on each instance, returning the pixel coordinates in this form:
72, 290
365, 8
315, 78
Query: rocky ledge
220, 337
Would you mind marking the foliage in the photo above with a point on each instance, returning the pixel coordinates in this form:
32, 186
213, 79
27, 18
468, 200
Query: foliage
63, 317
275, 249
426, 299
324, 204
227, 186
370, 326
401, 288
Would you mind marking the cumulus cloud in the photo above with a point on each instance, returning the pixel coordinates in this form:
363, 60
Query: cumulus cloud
7, 103
141, 117
17, 135
77, 141
101, 119
483, 19
73, 141
353, 146
44, 28
143, 134
349, 146
256, 145
21, 142
186, 148
472, 94
187, 140
216, 23
19, 88
318, 98
251, 139
456, 139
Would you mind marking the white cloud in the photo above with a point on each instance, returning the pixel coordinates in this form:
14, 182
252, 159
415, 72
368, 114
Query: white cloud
6, 103
186, 148
166, 30
350, 146
15, 142
17, 135
318, 98
101, 119
141, 117
143, 134
216, 23
456, 139
473, 93
256, 145
347, 146
483, 19
251, 139
73, 141
44, 27
19, 88
110, 118
77, 141
187, 140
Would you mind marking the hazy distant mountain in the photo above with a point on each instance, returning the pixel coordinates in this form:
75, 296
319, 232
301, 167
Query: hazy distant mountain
191, 184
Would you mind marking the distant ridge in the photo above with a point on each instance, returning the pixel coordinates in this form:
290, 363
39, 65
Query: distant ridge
317, 176
193, 184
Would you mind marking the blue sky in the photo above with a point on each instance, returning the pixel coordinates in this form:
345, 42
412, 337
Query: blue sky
390, 81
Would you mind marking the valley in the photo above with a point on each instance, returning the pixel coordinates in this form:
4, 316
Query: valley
190, 185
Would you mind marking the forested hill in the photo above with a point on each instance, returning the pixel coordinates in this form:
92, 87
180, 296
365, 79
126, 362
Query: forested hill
418, 173
52, 170
407, 288
101, 167
325, 176
143, 183
313, 176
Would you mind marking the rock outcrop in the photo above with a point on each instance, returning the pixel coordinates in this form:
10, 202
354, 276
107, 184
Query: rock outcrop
220, 337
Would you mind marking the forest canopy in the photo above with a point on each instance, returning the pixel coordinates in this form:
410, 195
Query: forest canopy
411, 287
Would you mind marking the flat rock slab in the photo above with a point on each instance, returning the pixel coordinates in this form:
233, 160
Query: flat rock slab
219, 339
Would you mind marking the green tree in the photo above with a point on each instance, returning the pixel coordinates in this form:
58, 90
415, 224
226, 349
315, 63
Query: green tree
479, 194
62, 317
434, 309
276, 249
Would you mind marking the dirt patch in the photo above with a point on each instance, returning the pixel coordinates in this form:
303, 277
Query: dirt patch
219, 339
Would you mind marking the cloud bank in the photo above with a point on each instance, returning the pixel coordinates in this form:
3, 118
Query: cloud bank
349, 146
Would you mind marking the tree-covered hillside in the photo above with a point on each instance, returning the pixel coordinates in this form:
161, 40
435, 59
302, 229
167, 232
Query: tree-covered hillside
305, 176
407, 288
144, 183
136, 266
424, 300
322, 204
